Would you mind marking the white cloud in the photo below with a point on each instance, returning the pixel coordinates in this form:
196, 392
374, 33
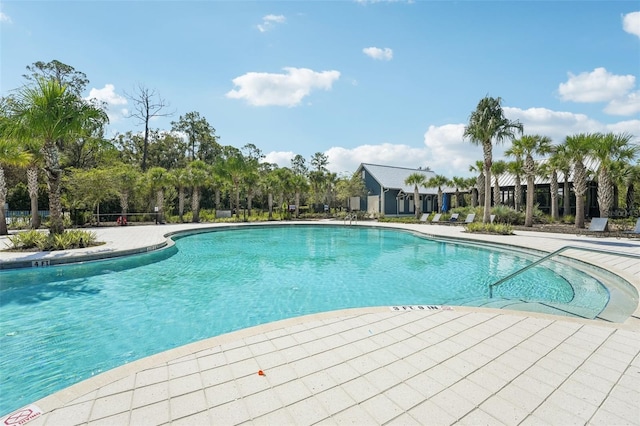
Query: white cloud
631, 23
348, 159
281, 158
629, 126
264, 89
554, 124
445, 150
109, 96
5, 18
385, 54
448, 152
627, 105
269, 21
596, 86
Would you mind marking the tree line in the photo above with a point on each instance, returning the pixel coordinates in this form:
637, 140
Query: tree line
614, 154
48, 129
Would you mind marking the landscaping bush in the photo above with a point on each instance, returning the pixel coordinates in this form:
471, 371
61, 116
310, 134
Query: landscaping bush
489, 228
69, 239
505, 214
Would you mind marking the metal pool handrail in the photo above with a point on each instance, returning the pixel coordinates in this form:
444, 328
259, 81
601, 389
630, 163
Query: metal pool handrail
548, 256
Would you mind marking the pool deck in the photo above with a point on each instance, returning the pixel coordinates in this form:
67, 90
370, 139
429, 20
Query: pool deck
436, 365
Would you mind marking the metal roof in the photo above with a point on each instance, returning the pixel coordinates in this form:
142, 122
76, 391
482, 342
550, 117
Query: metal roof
390, 177
508, 179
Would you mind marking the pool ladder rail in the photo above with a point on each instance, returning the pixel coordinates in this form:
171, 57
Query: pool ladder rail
548, 256
351, 217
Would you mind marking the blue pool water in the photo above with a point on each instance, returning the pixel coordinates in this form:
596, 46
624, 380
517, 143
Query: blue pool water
60, 325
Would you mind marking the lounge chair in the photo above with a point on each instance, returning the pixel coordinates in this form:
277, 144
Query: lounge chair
424, 217
454, 217
599, 224
492, 217
470, 218
436, 218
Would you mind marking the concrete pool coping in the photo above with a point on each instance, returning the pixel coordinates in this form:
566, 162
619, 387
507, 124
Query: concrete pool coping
375, 365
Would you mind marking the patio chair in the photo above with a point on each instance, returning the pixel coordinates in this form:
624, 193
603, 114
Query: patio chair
454, 217
599, 224
470, 218
424, 217
436, 218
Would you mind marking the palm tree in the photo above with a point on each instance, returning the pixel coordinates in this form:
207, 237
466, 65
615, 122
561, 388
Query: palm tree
471, 186
11, 154
179, 179
32, 181
437, 182
560, 162
300, 185
516, 168
125, 177
530, 145
486, 124
51, 114
614, 152
480, 186
197, 176
417, 180
459, 183
268, 183
549, 171
576, 148
498, 168
233, 170
631, 177
158, 178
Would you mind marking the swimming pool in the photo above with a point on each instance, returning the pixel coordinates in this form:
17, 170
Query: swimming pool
63, 324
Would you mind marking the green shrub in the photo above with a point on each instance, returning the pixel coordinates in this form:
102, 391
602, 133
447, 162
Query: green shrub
69, 239
26, 240
489, 228
508, 215
568, 218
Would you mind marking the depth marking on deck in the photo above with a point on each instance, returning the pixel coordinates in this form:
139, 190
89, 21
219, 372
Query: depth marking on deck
22, 416
420, 308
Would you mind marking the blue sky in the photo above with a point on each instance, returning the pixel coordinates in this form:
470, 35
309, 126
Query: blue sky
385, 82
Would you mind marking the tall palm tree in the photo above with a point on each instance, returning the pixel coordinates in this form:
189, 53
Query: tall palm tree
300, 185
531, 145
614, 152
197, 177
158, 179
560, 162
49, 113
180, 179
516, 168
576, 148
125, 177
631, 177
417, 180
234, 168
268, 183
486, 125
549, 171
459, 183
438, 181
470, 185
33, 169
11, 154
480, 185
498, 168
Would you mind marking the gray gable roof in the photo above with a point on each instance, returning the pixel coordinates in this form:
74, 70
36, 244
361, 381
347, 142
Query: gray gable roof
393, 177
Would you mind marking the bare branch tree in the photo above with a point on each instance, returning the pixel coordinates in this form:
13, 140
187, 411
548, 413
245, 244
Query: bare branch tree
147, 104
